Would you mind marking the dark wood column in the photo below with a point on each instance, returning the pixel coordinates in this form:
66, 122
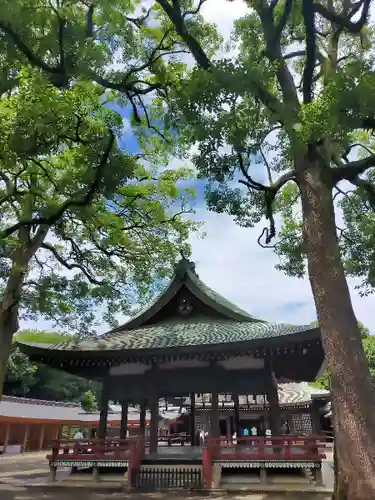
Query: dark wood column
214, 425
314, 415
192, 419
124, 419
273, 400
103, 419
236, 414
154, 425
142, 418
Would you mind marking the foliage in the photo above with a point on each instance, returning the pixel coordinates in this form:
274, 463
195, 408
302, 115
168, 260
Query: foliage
85, 225
88, 401
26, 379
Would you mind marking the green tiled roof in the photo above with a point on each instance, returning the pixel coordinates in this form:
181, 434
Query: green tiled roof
185, 275
219, 299
172, 335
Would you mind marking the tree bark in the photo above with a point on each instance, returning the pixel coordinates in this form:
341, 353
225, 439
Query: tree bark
10, 300
353, 394
7, 331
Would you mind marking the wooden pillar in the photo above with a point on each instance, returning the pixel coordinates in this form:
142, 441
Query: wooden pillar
41, 438
103, 419
6, 437
314, 416
229, 433
154, 426
142, 418
273, 400
124, 419
236, 414
192, 419
25, 438
214, 426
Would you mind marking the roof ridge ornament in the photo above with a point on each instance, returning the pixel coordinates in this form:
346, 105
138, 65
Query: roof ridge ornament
183, 266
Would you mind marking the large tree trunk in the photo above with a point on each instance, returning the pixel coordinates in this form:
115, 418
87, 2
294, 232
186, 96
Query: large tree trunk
8, 327
353, 393
10, 300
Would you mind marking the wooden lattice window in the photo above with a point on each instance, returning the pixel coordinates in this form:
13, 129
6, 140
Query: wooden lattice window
301, 424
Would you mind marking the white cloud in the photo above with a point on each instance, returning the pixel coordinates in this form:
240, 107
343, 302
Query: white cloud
230, 261
223, 14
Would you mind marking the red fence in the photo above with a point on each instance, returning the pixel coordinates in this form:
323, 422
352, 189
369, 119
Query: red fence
91, 449
264, 448
137, 452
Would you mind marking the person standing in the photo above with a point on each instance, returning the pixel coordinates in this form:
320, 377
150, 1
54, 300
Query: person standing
254, 433
78, 435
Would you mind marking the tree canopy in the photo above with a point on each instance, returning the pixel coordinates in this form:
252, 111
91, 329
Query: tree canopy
87, 225
24, 378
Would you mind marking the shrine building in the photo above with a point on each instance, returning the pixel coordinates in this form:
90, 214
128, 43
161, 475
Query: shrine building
191, 342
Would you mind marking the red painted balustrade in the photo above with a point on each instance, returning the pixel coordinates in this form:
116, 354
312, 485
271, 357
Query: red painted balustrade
268, 448
137, 452
254, 448
91, 449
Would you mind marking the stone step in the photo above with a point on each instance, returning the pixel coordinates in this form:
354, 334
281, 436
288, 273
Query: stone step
287, 479
240, 478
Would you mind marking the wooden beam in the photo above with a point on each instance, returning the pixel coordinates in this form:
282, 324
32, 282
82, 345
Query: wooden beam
273, 400
142, 418
6, 437
154, 425
124, 420
236, 414
192, 420
103, 418
25, 438
41, 438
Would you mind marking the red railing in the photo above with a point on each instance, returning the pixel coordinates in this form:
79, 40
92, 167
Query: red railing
137, 452
264, 448
86, 449
207, 464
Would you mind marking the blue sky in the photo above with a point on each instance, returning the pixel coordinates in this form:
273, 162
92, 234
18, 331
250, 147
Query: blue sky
229, 259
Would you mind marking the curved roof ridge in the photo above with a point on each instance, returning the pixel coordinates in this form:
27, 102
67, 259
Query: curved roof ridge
220, 299
185, 274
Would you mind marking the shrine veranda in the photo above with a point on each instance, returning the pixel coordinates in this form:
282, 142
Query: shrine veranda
192, 343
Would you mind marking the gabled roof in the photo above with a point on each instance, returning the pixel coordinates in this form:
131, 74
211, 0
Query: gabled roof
185, 275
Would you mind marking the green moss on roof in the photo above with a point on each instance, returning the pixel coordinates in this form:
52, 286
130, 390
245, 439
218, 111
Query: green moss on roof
41, 337
172, 335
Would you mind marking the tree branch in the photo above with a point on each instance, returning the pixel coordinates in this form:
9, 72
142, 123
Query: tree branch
71, 266
270, 193
349, 171
344, 21
308, 72
195, 11
80, 199
176, 17
283, 19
